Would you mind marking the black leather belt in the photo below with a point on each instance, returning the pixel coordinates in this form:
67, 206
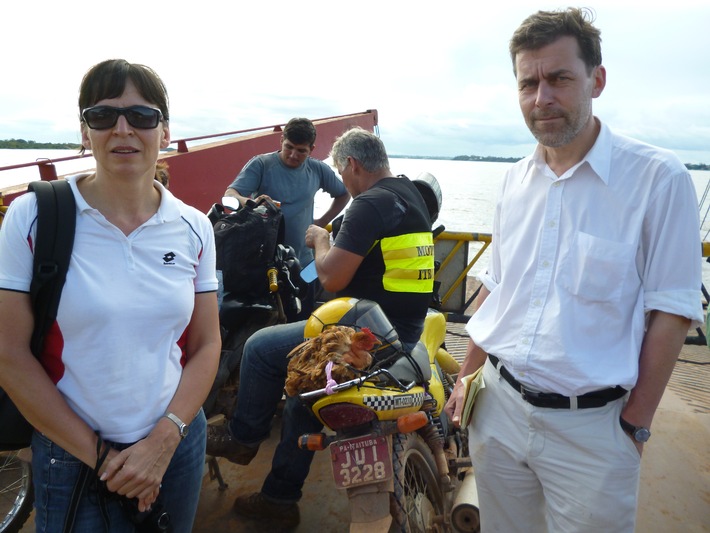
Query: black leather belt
552, 400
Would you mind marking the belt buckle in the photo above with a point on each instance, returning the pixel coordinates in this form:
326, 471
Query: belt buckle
543, 399
530, 396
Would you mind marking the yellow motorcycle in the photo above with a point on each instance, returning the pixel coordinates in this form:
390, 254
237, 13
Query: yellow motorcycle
392, 447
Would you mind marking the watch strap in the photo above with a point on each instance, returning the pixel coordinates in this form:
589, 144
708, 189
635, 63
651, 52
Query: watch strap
638, 433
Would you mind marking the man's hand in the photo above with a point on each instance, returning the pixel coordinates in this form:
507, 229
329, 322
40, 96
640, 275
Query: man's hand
335, 266
455, 404
266, 197
475, 358
315, 234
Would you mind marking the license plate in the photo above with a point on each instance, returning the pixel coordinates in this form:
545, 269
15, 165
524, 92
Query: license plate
361, 461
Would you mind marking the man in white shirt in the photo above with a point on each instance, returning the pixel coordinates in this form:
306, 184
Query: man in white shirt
593, 284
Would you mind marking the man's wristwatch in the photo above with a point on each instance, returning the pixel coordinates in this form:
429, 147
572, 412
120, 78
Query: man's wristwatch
182, 427
638, 433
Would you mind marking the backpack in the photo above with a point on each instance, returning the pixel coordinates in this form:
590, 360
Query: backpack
246, 241
56, 219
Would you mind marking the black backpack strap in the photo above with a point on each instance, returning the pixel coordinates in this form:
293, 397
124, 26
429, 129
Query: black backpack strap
56, 221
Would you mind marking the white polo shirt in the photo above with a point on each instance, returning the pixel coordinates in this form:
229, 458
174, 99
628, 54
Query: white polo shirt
578, 260
116, 351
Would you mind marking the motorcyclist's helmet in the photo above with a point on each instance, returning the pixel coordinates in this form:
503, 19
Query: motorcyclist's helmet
357, 313
429, 188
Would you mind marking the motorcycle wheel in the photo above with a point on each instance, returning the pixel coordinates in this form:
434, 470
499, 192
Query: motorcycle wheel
16, 492
417, 504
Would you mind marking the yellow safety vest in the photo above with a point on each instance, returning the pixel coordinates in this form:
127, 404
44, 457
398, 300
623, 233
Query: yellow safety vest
409, 262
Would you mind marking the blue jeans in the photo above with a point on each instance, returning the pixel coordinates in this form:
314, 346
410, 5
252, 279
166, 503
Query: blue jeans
55, 472
261, 384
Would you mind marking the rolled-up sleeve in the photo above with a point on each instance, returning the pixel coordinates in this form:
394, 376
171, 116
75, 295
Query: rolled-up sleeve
672, 257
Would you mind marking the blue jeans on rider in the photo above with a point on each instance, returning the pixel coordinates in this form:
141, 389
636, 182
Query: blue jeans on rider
55, 472
261, 385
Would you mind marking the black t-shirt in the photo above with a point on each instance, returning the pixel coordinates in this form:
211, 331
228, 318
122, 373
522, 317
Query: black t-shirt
392, 207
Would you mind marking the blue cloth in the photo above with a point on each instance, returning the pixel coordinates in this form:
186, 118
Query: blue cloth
295, 188
261, 384
55, 472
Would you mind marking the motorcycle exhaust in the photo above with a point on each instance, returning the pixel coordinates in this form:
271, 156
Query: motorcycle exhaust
464, 514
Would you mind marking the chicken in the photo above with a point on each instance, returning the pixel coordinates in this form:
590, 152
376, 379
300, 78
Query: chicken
346, 348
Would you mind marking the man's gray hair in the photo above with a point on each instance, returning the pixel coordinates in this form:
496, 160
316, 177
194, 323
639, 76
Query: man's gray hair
362, 145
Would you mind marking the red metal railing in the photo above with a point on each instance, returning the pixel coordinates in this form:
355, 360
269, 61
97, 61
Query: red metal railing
199, 175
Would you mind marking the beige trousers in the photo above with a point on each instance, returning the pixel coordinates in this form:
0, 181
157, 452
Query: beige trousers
551, 470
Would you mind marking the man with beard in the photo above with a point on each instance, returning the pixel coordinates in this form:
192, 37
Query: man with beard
593, 283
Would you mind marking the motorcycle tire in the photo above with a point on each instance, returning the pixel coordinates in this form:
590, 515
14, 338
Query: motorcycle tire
417, 499
16, 492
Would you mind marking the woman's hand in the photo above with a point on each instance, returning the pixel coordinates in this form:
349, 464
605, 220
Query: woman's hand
138, 471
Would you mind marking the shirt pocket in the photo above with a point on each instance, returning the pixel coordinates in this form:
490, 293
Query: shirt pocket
596, 269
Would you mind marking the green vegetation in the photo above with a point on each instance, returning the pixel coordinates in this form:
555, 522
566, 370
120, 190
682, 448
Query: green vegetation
20, 144
486, 158
462, 158
489, 158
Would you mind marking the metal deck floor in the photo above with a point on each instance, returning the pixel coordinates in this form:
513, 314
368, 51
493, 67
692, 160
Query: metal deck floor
675, 474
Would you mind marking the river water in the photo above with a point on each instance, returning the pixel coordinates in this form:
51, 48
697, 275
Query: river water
469, 188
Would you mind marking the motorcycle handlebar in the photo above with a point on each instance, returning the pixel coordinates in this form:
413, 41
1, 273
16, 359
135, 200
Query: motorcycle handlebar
272, 274
356, 382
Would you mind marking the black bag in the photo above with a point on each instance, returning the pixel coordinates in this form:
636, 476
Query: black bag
246, 242
56, 218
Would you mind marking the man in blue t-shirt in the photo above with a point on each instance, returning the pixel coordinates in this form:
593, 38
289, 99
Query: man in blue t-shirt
290, 176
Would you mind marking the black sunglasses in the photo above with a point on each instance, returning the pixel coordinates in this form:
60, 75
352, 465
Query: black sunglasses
103, 117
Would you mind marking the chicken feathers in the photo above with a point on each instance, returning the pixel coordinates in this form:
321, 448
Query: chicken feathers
347, 348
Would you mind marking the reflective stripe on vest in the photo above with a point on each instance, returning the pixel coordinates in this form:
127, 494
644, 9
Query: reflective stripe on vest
409, 262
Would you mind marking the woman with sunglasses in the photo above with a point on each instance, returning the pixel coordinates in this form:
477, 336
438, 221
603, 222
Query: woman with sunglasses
118, 390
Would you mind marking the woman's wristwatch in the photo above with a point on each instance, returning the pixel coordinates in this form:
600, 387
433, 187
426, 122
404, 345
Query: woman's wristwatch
638, 433
182, 427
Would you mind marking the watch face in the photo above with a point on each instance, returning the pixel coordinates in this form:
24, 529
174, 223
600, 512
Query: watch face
642, 435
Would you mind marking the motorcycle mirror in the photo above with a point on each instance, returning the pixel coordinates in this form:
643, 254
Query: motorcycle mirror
231, 202
309, 273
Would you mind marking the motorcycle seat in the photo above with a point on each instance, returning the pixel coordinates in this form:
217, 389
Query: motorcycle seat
403, 369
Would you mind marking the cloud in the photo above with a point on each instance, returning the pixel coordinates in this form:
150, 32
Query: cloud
438, 73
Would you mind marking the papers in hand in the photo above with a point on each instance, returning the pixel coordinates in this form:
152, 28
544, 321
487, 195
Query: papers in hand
472, 385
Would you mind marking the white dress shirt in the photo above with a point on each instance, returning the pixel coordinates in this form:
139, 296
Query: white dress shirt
579, 260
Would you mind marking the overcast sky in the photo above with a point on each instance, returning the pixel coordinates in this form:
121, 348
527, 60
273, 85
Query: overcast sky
438, 72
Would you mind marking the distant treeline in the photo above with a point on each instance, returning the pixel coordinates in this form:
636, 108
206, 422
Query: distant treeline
461, 158
486, 158
21, 144
489, 158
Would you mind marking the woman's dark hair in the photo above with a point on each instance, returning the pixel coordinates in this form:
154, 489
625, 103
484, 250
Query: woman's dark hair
108, 80
545, 27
